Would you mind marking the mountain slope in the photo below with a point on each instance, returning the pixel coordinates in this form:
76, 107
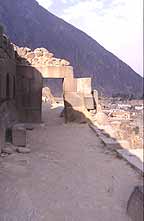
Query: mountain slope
29, 24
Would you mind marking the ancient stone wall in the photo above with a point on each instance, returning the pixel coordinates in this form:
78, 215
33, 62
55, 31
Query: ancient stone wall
38, 57
21, 80
40, 62
7, 86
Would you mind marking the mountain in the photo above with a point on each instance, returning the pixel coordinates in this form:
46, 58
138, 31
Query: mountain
29, 24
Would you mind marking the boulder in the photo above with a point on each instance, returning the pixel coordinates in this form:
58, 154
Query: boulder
101, 118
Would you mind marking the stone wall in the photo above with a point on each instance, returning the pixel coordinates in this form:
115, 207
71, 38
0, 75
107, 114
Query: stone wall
28, 94
21, 80
40, 63
7, 87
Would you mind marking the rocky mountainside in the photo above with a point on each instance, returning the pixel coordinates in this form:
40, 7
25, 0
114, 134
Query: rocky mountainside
28, 24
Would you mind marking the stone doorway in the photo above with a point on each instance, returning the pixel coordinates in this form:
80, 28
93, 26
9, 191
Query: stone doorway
76, 92
52, 101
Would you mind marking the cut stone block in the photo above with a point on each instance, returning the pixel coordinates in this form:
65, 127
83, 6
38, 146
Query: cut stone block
89, 102
19, 137
2, 87
70, 84
84, 85
73, 99
95, 97
2, 138
135, 207
55, 72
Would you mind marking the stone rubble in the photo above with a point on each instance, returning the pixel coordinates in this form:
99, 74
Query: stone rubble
121, 122
40, 56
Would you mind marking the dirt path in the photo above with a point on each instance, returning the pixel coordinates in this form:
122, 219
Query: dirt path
68, 176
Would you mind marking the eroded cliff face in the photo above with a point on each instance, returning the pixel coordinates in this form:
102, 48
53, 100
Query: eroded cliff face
30, 25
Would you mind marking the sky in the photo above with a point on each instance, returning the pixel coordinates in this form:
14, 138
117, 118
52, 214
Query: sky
115, 24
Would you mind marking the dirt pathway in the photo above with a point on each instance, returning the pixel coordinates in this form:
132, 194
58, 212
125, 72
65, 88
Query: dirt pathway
68, 176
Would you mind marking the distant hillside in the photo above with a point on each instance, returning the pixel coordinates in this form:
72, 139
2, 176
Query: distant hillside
29, 24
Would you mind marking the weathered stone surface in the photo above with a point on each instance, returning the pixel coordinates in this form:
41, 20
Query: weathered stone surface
39, 56
3, 54
19, 135
89, 102
8, 113
2, 137
55, 71
73, 99
7, 150
101, 118
135, 207
21, 83
84, 85
30, 56
23, 150
64, 62
95, 96
70, 84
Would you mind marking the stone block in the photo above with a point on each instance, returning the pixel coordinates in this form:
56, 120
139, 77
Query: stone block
95, 96
73, 99
2, 138
3, 87
11, 86
84, 85
135, 207
70, 84
55, 72
89, 102
19, 137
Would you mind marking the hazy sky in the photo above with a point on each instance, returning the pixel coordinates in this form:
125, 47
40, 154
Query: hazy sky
115, 24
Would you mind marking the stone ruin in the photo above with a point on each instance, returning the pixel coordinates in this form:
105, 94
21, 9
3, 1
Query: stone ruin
21, 81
